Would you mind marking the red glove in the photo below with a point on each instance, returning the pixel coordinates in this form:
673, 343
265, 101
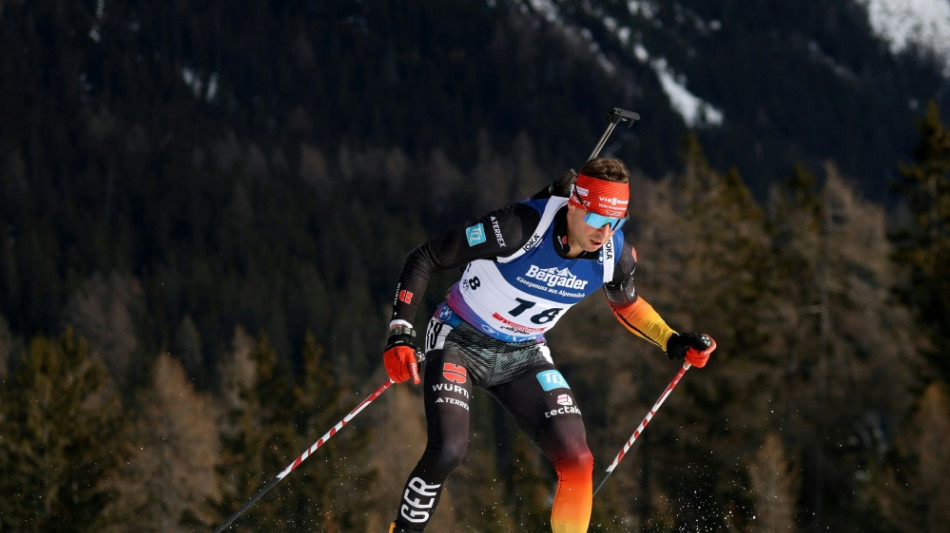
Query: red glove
401, 357
694, 348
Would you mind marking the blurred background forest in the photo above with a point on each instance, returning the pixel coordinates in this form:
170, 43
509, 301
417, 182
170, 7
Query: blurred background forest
204, 207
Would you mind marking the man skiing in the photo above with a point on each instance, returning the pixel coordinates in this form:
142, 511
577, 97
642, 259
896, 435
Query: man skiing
525, 265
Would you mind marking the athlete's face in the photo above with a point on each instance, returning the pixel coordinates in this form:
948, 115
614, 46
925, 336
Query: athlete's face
581, 236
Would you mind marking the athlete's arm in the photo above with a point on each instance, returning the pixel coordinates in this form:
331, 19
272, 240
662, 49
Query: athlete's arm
635, 313
497, 234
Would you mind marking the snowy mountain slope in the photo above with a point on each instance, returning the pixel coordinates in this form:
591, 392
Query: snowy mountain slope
771, 85
918, 25
765, 85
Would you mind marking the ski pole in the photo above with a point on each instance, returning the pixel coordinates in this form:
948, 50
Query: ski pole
614, 117
303, 457
646, 420
640, 428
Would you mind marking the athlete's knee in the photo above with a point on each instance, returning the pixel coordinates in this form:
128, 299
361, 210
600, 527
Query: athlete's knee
448, 456
577, 461
453, 452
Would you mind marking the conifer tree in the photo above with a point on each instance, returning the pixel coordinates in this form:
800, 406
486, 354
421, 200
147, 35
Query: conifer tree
838, 333
271, 417
704, 263
329, 495
169, 484
774, 485
104, 310
61, 437
922, 244
917, 487
256, 431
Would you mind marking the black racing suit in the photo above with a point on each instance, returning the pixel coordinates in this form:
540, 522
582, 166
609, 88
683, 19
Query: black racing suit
521, 376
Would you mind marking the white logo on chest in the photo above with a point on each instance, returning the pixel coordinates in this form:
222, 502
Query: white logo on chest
553, 277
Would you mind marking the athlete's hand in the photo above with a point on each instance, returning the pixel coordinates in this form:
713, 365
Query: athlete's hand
401, 357
694, 348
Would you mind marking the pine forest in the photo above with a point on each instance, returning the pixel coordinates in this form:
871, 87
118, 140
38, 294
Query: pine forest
204, 208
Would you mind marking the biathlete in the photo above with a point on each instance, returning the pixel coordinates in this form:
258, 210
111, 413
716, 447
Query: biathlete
525, 265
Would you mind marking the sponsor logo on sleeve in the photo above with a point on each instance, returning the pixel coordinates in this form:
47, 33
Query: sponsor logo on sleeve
496, 228
475, 234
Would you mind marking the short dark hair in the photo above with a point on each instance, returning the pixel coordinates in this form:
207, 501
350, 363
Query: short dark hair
606, 168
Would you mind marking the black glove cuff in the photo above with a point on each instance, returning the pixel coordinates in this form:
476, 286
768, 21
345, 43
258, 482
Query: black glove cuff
400, 336
676, 347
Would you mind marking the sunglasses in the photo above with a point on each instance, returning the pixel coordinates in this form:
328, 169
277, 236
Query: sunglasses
598, 221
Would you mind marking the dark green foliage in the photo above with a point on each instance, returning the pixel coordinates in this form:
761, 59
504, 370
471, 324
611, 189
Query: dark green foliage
61, 438
922, 238
269, 423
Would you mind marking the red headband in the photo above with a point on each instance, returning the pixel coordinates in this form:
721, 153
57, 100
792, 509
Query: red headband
607, 198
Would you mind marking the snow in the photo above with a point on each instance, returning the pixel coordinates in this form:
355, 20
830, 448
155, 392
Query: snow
546, 9
94, 33
922, 25
695, 112
193, 79
642, 8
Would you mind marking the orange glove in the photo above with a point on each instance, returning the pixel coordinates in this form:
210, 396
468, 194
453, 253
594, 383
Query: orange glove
695, 348
401, 357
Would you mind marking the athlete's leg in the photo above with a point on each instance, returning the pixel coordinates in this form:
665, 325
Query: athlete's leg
447, 391
545, 409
